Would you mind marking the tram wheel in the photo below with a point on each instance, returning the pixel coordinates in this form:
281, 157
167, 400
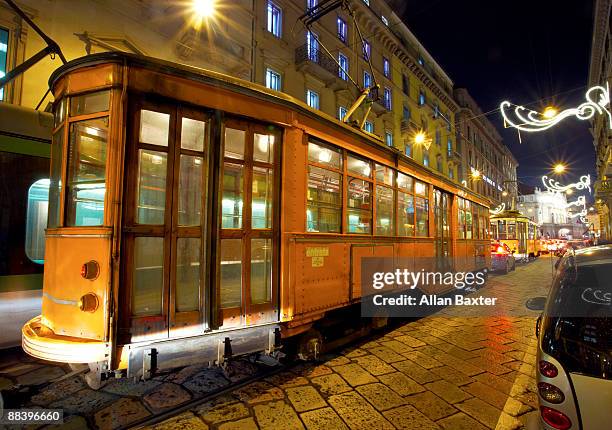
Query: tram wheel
310, 345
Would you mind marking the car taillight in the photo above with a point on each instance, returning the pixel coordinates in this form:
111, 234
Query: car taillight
555, 418
548, 369
550, 393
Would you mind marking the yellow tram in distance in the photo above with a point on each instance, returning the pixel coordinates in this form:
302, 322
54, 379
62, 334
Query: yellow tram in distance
518, 232
194, 217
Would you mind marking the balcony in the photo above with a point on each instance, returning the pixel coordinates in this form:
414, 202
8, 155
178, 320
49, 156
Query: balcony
317, 63
603, 189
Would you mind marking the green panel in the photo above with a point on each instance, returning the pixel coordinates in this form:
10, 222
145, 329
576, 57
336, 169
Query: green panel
21, 282
24, 146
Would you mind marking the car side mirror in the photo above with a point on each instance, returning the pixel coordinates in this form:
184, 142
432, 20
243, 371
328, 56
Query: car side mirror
536, 303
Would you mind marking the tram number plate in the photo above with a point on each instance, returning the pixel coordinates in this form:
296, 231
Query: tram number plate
321, 251
318, 261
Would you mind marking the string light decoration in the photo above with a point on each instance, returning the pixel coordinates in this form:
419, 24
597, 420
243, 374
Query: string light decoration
498, 209
581, 201
555, 187
597, 102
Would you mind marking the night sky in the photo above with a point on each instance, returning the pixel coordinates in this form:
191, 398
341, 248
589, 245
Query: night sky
532, 53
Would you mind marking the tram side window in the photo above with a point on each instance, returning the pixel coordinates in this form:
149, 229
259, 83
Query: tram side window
422, 209
55, 183
476, 219
405, 205
461, 218
511, 231
385, 201
359, 195
324, 206
86, 178
468, 220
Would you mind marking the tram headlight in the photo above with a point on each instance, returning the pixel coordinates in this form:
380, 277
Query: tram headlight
89, 302
90, 270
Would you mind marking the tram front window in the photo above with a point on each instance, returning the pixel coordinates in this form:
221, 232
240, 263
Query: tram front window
86, 182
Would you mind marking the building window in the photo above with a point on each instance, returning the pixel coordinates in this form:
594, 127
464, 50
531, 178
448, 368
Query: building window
343, 61
312, 46
451, 173
367, 2
369, 127
273, 80
426, 158
386, 67
389, 138
387, 98
384, 20
367, 50
406, 113
3, 56
436, 110
342, 30
408, 147
367, 80
311, 3
422, 99
274, 19
312, 98
449, 147
421, 61
342, 113
448, 121
405, 85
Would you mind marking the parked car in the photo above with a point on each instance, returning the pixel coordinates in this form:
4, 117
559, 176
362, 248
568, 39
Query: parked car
574, 358
502, 258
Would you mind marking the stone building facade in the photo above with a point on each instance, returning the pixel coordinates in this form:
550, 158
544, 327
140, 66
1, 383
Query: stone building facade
600, 73
487, 166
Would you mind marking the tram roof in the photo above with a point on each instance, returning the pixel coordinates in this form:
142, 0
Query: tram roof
511, 213
258, 91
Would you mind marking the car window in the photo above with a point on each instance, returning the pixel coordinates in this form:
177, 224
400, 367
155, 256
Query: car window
577, 323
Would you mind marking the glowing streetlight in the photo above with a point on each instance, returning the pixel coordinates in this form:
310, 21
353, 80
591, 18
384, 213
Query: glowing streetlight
569, 192
549, 112
591, 208
419, 138
559, 168
475, 174
504, 193
203, 8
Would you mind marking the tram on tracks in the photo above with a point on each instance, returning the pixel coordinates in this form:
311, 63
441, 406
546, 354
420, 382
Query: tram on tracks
25, 145
194, 217
518, 232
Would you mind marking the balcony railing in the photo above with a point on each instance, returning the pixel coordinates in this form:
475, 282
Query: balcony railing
309, 54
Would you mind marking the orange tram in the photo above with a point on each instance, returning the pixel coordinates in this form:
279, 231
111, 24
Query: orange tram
194, 217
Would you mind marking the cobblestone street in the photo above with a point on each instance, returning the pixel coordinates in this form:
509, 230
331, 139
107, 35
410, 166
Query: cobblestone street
438, 372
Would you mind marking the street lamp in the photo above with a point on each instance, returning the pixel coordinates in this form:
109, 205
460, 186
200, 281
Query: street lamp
569, 192
203, 8
419, 138
559, 168
504, 193
550, 112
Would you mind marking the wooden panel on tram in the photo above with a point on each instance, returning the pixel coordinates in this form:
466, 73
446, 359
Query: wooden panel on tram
321, 271
358, 252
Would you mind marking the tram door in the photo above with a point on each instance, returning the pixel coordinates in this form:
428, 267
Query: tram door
246, 257
521, 233
442, 219
165, 234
